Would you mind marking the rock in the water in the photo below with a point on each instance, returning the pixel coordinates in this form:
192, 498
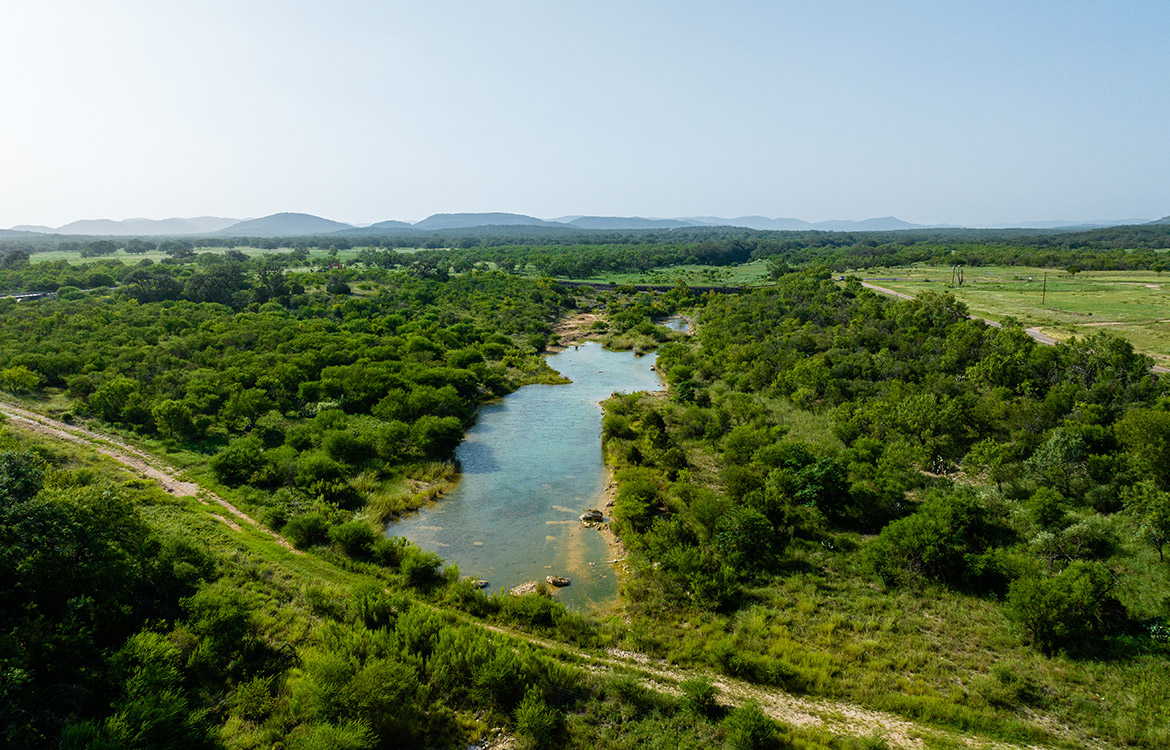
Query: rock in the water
480, 583
522, 589
593, 515
557, 581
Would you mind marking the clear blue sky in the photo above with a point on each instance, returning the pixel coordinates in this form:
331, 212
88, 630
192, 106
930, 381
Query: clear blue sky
363, 111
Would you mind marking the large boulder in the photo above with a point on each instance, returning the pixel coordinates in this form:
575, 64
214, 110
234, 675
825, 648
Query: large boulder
593, 515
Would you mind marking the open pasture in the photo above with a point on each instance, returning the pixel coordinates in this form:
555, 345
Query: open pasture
1131, 304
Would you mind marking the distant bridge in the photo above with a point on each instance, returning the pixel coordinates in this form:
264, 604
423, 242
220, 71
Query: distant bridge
29, 295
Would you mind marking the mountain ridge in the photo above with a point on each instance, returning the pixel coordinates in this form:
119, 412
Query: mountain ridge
291, 224
173, 226
470, 220
284, 224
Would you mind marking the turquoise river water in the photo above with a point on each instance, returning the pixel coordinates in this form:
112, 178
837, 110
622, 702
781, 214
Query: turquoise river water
530, 465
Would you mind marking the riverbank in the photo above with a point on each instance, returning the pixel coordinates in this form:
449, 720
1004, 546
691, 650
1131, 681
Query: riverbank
574, 330
617, 550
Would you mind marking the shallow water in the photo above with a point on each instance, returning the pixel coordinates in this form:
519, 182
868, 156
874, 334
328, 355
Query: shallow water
530, 465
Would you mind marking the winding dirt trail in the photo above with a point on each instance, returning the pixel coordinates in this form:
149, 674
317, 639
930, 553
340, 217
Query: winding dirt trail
134, 459
835, 716
1034, 333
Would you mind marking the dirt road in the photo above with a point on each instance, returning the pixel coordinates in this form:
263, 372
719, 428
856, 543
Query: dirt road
1034, 333
835, 716
132, 458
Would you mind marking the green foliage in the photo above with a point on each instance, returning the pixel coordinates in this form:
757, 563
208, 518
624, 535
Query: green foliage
536, 721
748, 728
637, 498
307, 530
1070, 611
701, 696
173, 419
1008, 685
21, 476
1150, 509
239, 461
356, 538
1060, 462
1146, 433
153, 710
420, 567
950, 539
19, 380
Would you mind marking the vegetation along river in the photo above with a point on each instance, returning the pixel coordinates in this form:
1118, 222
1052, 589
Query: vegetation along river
530, 465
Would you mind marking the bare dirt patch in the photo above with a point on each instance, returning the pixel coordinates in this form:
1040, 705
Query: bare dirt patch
575, 330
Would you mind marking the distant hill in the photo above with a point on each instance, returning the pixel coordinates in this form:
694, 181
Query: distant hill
628, 222
391, 224
1070, 224
284, 225
380, 227
38, 228
463, 221
883, 224
1163, 220
752, 222
154, 227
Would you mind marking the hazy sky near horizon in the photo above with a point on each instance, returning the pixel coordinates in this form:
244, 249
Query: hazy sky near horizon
968, 113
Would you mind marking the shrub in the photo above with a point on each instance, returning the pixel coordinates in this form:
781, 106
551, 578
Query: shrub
637, 499
436, 437
1071, 611
748, 728
389, 551
173, 418
21, 476
356, 538
19, 379
314, 466
307, 530
950, 539
343, 445
700, 696
536, 722
236, 463
421, 567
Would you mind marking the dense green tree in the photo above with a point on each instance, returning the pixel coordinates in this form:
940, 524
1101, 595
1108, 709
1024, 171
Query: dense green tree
1150, 510
1072, 610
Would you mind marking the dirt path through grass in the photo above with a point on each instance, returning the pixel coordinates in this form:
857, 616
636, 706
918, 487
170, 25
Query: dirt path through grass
131, 458
1034, 333
835, 716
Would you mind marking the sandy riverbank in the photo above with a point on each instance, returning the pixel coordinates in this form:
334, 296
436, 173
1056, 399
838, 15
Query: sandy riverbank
574, 330
617, 551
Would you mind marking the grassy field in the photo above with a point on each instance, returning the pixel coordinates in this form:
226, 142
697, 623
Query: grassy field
1131, 304
747, 274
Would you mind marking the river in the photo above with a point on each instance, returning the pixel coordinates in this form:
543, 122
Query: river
530, 465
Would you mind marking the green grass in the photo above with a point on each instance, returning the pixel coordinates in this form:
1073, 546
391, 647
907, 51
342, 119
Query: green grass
933, 655
747, 274
1131, 304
